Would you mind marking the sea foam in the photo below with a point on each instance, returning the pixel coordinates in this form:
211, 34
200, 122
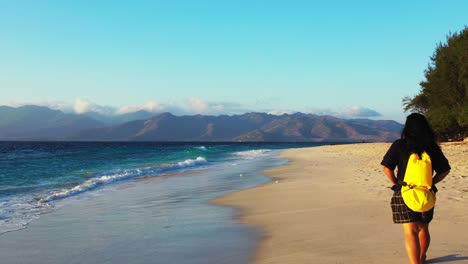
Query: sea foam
252, 154
121, 175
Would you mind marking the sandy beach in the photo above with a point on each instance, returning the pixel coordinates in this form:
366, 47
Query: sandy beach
331, 204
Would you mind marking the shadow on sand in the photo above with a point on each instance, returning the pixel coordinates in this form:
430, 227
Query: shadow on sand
447, 258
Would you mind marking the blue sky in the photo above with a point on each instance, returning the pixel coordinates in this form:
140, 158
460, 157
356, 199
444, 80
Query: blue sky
346, 58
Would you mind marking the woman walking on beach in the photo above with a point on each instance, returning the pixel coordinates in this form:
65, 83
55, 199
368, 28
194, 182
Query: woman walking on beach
417, 137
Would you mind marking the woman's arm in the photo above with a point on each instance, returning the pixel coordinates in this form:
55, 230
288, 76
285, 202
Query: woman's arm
439, 177
390, 175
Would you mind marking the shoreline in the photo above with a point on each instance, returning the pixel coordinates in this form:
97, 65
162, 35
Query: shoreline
164, 218
331, 204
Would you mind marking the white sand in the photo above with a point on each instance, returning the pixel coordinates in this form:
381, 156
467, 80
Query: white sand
331, 204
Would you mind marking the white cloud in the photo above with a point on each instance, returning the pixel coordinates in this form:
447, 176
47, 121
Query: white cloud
324, 111
279, 112
197, 106
360, 111
81, 106
350, 112
218, 107
190, 106
200, 106
56, 105
12, 104
153, 107
84, 106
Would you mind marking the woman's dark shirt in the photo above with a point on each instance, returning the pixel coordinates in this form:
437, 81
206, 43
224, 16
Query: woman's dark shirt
394, 158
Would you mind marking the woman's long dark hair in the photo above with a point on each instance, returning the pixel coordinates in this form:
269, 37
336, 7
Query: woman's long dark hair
418, 135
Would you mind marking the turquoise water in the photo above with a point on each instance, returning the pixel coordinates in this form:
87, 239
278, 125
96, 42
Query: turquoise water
34, 175
172, 211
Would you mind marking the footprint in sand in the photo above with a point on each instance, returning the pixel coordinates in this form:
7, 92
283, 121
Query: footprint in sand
455, 199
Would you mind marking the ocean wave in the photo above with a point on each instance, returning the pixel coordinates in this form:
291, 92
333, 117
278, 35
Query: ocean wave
121, 175
189, 163
252, 154
18, 212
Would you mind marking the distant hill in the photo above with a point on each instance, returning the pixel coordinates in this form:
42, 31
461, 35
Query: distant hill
41, 123
297, 127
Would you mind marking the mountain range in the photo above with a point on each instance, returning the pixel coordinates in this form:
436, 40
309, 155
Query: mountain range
41, 123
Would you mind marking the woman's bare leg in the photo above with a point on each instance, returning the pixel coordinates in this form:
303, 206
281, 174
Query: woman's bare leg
424, 240
413, 249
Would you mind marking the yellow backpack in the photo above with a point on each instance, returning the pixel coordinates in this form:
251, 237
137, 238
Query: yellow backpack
416, 190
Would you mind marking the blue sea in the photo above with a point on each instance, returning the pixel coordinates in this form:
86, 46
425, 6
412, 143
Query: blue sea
42, 177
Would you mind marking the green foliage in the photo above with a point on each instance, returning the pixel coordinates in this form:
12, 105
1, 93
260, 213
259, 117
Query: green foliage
443, 97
